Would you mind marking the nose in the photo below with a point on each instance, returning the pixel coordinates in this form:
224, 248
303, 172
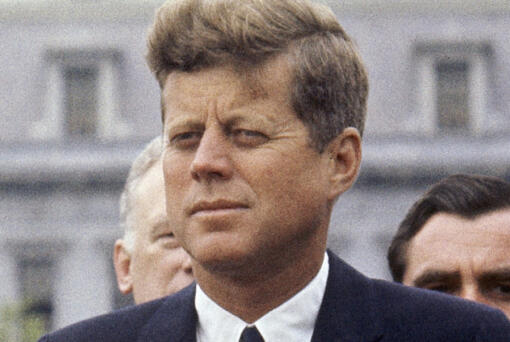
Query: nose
211, 160
473, 294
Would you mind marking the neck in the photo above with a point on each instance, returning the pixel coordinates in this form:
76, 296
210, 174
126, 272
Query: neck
251, 295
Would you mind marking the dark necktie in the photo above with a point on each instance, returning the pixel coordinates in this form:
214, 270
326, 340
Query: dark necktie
251, 334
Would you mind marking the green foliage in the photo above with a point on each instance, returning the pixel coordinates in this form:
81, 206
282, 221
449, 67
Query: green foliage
19, 324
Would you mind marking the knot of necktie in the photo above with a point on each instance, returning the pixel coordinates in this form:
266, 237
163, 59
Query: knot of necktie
251, 334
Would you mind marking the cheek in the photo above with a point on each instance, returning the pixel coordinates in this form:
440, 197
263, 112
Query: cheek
175, 168
158, 269
146, 259
294, 184
141, 271
170, 265
285, 188
291, 201
176, 185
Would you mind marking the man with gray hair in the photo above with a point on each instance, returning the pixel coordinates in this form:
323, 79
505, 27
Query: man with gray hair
148, 260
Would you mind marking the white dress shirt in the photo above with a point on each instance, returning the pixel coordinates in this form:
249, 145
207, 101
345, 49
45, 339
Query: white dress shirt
293, 320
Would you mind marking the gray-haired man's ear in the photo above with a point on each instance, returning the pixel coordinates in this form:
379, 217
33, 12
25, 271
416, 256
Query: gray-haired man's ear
122, 263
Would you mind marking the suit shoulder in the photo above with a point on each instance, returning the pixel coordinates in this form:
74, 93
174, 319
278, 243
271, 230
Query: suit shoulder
402, 313
406, 306
121, 325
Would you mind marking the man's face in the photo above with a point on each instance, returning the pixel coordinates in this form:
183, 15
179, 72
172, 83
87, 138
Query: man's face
463, 257
243, 184
158, 266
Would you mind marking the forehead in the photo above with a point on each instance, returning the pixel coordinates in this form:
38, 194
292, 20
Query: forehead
149, 196
451, 241
151, 181
226, 86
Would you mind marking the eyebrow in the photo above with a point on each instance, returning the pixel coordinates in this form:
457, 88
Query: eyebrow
496, 274
431, 276
188, 121
237, 119
180, 126
185, 123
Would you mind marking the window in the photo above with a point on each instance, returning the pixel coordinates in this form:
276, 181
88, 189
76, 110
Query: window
33, 306
452, 82
80, 102
35, 283
82, 96
452, 95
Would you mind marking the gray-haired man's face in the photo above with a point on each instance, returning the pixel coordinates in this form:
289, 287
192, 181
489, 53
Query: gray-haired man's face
158, 266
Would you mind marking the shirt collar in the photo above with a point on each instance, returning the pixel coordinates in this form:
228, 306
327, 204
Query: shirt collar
284, 323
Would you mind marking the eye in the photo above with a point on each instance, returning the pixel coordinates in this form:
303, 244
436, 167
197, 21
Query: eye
501, 291
505, 288
168, 240
249, 138
186, 139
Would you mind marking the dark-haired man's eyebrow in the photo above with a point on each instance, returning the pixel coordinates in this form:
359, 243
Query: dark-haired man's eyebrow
434, 276
498, 274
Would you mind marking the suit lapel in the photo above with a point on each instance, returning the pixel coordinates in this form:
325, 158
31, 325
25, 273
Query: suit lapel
347, 312
174, 321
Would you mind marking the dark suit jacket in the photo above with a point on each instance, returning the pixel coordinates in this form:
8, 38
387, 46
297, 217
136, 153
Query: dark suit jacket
355, 308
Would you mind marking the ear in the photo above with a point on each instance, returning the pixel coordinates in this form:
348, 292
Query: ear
122, 263
344, 154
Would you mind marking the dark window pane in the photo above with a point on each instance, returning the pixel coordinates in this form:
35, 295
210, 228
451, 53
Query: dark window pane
80, 102
35, 277
453, 95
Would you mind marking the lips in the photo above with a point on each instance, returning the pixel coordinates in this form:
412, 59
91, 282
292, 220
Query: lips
215, 206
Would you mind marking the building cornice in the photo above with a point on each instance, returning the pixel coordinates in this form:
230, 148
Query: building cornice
58, 11
27, 164
392, 159
398, 160
420, 7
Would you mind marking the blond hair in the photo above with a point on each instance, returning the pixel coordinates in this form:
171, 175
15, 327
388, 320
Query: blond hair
329, 82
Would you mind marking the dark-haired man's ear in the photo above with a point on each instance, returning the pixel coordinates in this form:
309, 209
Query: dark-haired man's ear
344, 154
122, 262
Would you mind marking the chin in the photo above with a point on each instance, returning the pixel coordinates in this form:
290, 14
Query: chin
222, 258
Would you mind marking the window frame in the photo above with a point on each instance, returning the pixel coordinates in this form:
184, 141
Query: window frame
21, 251
477, 56
108, 62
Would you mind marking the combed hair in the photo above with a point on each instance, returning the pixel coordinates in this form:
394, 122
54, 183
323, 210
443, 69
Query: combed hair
466, 195
141, 165
329, 82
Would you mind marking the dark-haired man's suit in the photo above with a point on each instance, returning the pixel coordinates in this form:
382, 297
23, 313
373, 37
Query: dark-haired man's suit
354, 308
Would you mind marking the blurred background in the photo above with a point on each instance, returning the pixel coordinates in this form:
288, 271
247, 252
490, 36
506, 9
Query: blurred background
78, 103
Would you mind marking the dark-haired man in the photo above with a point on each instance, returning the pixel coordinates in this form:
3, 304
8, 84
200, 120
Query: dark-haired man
456, 240
264, 104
